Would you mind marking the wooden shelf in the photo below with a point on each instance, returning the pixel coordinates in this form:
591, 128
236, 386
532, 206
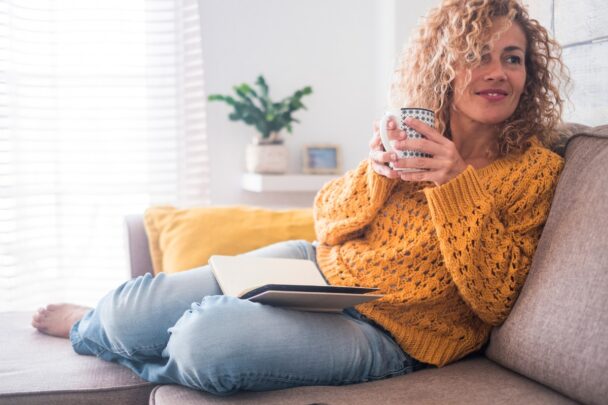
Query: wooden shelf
260, 183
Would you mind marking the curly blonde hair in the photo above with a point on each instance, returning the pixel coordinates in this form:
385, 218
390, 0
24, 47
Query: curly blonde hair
458, 32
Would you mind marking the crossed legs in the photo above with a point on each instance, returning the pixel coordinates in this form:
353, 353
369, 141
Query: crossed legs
180, 329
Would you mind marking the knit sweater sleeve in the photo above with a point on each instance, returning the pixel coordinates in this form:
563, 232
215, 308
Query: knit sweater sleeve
345, 206
488, 249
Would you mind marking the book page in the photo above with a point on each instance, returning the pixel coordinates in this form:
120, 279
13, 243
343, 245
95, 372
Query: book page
236, 274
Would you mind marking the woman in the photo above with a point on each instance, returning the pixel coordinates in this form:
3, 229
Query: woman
450, 246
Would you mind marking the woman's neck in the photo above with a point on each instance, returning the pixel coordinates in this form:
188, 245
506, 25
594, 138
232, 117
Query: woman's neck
474, 140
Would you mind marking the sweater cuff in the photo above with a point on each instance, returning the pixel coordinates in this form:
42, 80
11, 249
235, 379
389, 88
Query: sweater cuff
379, 186
456, 197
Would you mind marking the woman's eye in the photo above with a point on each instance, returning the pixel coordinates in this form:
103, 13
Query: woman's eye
514, 59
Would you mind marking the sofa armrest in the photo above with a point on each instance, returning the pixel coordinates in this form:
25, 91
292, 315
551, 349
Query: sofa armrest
140, 261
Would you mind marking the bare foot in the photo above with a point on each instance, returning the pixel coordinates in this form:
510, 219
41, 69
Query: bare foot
57, 319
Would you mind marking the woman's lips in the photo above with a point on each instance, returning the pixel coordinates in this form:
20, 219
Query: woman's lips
493, 95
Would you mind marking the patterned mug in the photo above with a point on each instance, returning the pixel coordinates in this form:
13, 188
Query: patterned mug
422, 114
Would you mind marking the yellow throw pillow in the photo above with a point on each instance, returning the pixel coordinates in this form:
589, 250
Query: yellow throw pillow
181, 239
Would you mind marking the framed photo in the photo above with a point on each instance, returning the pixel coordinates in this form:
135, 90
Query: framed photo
322, 159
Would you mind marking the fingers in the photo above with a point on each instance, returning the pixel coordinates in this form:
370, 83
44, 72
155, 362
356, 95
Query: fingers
389, 125
418, 163
422, 145
392, 128
416, 176
426, 130
384, 170
437, 169
382, 157
378, 155
375, 143
394, 132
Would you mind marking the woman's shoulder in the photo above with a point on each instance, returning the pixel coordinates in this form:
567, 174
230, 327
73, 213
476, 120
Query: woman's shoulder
518, 171
540, 156
536, 168
535, 158
522, 175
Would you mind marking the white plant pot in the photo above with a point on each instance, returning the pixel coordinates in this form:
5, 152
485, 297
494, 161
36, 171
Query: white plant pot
271, 158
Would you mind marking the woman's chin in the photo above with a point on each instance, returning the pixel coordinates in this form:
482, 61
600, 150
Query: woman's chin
494, 119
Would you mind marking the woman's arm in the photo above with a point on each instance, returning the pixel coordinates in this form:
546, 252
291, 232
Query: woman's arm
488, 251
343, 207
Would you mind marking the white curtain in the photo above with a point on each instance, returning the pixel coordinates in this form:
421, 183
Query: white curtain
101, 115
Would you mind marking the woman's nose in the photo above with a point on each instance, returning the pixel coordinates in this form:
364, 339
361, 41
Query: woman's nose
495, 71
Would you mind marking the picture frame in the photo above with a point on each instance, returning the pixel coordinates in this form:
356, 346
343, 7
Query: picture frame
322, 159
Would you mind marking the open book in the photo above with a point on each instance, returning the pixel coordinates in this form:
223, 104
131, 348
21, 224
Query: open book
293, 283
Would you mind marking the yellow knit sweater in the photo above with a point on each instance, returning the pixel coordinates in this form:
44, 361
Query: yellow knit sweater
450, 259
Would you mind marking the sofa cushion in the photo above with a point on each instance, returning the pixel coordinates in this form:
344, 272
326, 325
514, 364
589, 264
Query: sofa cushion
557, 332
40, 369
181, 239
475, 380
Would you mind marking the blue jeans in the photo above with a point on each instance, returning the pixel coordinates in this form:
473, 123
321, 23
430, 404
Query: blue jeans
179, 329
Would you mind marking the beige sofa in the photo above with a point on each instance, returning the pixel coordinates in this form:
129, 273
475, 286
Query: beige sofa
552, 349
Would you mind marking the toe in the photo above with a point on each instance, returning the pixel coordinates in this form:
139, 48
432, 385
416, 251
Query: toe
39, 326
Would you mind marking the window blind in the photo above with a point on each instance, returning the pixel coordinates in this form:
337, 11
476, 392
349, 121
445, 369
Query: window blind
101, 115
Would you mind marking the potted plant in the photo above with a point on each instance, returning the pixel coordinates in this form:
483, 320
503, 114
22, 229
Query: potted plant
266, 153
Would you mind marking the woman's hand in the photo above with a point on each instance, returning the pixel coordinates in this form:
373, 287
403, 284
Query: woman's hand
378, 156
445, 164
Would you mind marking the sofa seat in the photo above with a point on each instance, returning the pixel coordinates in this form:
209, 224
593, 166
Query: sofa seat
475, 380
40, 369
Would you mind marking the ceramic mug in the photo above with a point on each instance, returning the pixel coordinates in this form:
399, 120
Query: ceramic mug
422, 114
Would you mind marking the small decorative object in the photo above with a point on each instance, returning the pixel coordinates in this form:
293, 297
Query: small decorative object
322, 159
266, 153
271, 158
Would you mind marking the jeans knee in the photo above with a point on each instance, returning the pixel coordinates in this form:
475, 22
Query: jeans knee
209, 345
293, 249
125, 313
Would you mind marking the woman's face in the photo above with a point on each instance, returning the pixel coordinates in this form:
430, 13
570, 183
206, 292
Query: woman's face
496, 84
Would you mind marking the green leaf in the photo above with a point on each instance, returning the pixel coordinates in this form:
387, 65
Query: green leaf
261, 82
258, 110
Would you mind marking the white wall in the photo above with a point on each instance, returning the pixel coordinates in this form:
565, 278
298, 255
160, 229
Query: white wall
344, 49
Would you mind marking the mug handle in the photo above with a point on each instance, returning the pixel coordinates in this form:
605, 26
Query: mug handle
384, 131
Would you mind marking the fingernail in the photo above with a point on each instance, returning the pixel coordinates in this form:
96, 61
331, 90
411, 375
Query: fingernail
393, 156
408, 120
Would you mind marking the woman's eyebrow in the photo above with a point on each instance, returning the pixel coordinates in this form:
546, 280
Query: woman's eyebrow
513, 48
